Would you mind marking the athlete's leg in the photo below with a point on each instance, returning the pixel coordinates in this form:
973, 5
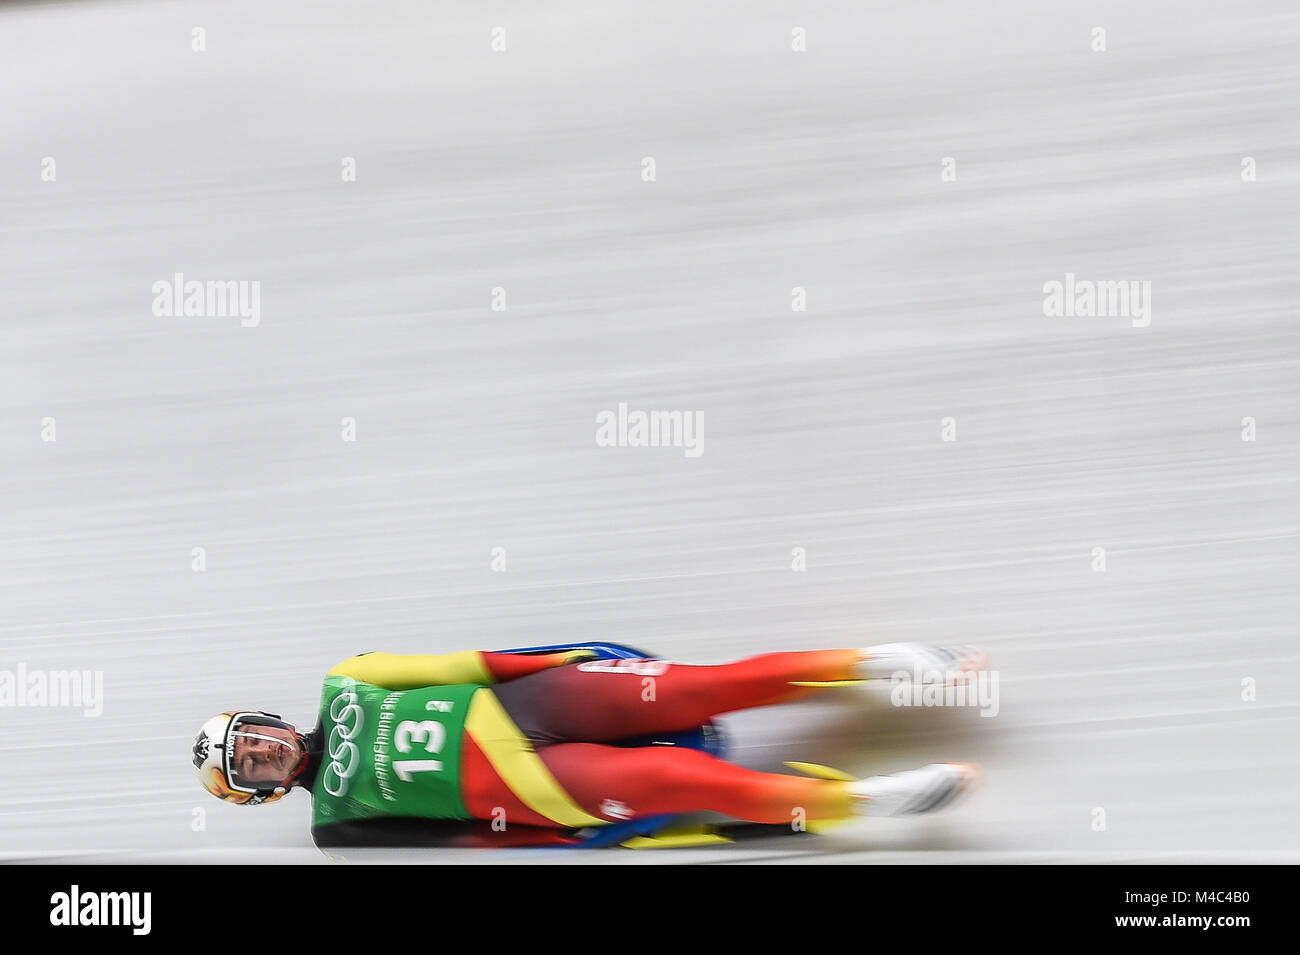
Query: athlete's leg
607, 700
616, 783
611, 782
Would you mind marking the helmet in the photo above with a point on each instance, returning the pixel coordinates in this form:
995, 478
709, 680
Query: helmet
214, 748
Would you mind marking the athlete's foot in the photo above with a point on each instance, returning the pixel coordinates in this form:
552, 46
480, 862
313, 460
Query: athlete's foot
882, 662
914, 791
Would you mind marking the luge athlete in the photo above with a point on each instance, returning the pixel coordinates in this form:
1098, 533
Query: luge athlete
412, 748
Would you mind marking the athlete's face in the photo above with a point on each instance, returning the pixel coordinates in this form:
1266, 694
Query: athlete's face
264, 754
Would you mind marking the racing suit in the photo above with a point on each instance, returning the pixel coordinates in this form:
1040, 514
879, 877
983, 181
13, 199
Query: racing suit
463, 748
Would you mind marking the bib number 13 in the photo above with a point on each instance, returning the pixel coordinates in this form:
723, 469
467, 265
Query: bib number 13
409, 734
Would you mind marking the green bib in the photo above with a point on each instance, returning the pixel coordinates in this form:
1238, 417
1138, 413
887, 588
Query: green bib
389, 752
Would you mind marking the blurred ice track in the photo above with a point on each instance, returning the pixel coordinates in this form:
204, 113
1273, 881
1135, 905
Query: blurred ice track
1120, 690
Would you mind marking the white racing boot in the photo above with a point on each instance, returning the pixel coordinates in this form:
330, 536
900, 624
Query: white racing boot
914, 791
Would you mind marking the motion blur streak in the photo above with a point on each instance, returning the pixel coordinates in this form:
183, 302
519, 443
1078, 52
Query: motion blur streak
1121, 690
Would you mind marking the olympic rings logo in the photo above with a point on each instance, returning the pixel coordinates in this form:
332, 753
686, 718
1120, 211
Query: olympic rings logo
347, 718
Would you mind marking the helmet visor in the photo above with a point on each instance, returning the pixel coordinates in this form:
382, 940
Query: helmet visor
261, 752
